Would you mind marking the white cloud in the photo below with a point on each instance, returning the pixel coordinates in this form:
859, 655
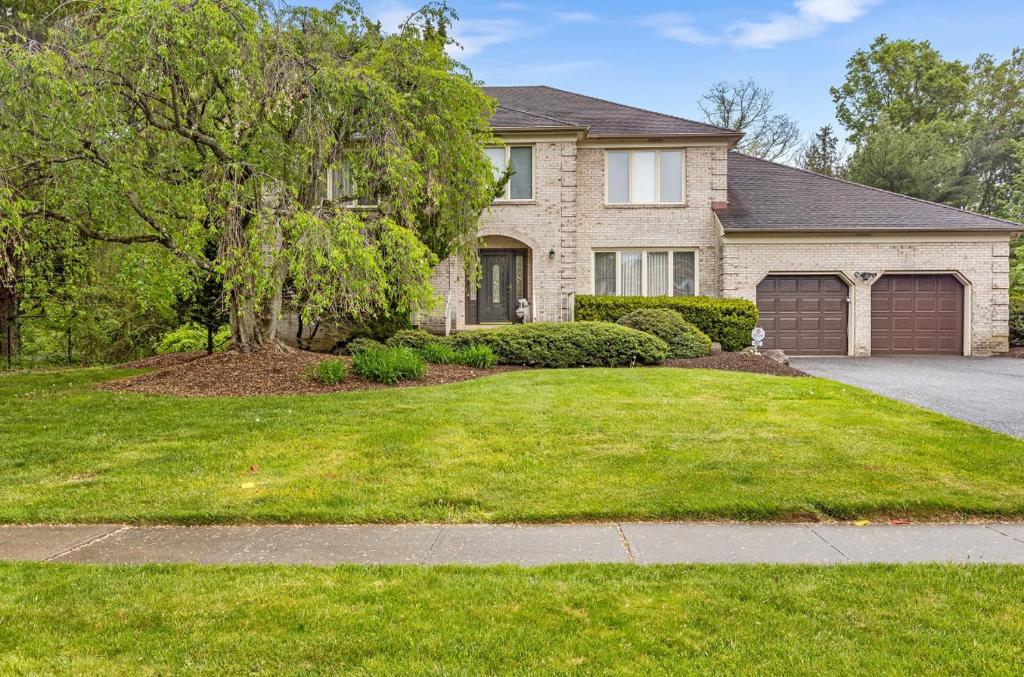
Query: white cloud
576, 17
678, 26
391, 15
475, 35
811, 18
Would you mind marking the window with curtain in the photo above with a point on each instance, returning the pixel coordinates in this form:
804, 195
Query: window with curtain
520, 158
660, 272
604, 274
645, 176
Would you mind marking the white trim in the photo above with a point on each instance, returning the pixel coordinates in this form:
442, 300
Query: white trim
644, 251
508, 199
657, 150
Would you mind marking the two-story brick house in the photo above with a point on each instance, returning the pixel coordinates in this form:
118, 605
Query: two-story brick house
611, 199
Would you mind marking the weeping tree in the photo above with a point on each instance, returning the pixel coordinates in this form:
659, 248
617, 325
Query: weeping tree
208, 128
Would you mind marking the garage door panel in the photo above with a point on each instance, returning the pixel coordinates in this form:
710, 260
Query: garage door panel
917, 314
804, 314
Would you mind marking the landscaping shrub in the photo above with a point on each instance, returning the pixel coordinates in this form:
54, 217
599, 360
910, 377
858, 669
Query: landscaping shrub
330, 372
191, 337
389, 365
1017, 320
727, 321
571, 344
412, 338
438, 353
358, 345
479, 356
684, 340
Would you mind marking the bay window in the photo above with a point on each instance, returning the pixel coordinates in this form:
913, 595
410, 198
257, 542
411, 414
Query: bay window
520, 158
654, 272
645, 176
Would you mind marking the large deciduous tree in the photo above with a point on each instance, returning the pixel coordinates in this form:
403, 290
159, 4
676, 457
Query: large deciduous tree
748, 107
208, 127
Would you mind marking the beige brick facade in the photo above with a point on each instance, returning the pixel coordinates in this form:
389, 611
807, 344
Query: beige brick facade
569, 217
979, 261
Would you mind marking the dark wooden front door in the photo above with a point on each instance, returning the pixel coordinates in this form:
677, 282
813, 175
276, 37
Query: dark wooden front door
917, 315
804, 314
495, 296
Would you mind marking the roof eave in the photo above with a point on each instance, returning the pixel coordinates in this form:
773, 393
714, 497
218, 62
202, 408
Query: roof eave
876, 229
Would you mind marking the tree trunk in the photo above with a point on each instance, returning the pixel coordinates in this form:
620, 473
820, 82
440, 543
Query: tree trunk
209, 340
252, 314
10, 339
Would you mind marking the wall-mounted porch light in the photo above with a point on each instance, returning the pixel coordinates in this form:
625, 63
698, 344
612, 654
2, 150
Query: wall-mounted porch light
551, 254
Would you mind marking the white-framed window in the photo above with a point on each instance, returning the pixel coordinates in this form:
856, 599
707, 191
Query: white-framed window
651, 176
520, 158
342, 188
645, 272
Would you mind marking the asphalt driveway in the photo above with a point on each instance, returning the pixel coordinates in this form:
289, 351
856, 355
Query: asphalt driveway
987, 391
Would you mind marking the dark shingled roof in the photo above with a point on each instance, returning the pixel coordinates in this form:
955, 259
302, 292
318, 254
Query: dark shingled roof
542, 107
767, 196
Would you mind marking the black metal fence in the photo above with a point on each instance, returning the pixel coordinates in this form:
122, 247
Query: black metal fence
36, 341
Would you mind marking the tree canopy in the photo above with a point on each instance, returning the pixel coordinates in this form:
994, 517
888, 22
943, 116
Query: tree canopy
208, 128
748, 107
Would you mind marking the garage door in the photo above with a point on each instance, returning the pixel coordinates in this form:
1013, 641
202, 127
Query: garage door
917, 315
804, 314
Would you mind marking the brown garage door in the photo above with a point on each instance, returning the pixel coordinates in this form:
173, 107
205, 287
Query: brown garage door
917, 315
804, 314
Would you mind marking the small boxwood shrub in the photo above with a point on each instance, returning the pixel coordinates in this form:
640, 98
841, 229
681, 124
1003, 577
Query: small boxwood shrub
570, 344
727, 321
479, 356
358, 345
330, 372
412, 338
191, 337
389, 365
1017, 320
684, 340
438, 353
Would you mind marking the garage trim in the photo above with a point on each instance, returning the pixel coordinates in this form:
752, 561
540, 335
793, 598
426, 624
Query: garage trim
967, 301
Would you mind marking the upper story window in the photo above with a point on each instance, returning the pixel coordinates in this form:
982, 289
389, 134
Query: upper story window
342, 188
646, 176
520, 158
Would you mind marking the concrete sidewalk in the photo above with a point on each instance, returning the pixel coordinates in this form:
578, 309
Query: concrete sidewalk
527, 545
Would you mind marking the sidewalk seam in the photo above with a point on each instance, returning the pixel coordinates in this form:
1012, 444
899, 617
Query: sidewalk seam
430, 548
84, 544
1012, 538
625, 543
829, 544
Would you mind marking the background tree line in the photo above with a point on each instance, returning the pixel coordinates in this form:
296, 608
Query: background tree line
916, 124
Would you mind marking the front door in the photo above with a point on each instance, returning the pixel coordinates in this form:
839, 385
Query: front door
495, 304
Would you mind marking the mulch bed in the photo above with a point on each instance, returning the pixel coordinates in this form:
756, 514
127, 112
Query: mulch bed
271, 372
285, 372
755, 364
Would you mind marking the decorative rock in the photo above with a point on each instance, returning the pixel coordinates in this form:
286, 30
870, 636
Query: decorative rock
776, 355
716, 347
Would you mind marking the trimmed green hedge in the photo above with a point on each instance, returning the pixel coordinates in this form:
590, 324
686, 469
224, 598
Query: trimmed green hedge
571, 344
727, 321
1017, 320
411, 338
684, 340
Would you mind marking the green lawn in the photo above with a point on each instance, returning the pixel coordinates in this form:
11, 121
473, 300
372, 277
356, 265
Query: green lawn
74, 619
530, 446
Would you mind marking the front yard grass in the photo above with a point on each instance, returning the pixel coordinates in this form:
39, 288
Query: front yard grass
523, 446
603, 619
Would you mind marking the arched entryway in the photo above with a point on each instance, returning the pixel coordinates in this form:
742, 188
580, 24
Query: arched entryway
503, 285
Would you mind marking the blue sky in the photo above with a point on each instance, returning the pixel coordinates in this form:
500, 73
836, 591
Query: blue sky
663, 55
